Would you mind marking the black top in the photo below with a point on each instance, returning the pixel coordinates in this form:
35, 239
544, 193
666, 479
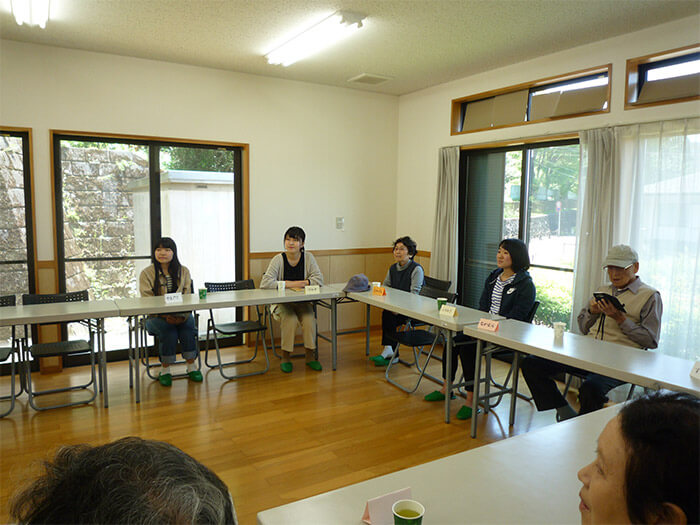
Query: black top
402, 279
518, 296
293, 273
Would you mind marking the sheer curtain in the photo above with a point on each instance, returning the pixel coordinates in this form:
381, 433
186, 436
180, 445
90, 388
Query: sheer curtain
642, 188
443, 260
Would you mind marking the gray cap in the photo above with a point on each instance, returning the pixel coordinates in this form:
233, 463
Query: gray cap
621, 256
357, 283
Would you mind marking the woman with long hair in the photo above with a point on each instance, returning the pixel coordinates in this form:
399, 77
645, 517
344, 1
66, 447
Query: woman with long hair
167, 275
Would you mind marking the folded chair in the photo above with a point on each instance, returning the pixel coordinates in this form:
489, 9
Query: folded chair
418, 339
235, 328
10, 352
61, 349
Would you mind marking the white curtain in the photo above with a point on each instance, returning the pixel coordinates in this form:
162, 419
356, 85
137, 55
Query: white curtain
443, 260
651, 202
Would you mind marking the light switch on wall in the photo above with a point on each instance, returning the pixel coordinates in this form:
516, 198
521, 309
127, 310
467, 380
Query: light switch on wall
340, 223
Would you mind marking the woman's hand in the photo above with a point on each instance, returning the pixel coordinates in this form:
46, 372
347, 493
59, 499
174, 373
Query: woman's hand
297, 284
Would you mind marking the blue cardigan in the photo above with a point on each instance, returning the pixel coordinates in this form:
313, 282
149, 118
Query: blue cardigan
518, 296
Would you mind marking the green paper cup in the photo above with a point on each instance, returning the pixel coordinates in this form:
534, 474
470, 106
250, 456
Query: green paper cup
202, 293
441, 301
408, 512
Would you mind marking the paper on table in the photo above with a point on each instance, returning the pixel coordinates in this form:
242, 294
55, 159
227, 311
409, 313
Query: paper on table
378, 510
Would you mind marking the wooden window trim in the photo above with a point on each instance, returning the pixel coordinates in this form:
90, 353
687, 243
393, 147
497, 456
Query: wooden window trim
519, 142
632, 71
456, 103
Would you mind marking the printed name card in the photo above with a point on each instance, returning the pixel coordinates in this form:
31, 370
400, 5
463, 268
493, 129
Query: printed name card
448, 310
695, 372
311, 289
488, 324
378, 290
378, 510
173, 298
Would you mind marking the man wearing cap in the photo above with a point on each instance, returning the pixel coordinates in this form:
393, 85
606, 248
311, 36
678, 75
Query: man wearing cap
637, 323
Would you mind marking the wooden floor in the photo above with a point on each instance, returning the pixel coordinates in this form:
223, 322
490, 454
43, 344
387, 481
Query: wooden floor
273, 438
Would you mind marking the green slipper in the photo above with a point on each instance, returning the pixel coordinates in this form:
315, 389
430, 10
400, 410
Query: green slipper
314, 365
466, 412
165, 379
384, 362
286, 367
376, 358
195, 376
435, 395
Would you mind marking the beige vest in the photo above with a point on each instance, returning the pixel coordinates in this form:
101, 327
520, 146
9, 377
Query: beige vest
633, 304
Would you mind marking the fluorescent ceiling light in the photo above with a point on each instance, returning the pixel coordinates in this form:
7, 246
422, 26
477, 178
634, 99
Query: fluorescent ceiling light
31, 12
327, 32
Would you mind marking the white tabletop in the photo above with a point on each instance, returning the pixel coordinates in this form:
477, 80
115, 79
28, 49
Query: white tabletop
157, 305
57, 312
421, 308
628, 364
529, 478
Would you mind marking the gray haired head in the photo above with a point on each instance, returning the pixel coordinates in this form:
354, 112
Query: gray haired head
131, 480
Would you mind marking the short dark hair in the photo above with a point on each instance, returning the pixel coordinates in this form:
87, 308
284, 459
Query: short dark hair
661, 432
295, 232
409, 243
131, 480
518, 253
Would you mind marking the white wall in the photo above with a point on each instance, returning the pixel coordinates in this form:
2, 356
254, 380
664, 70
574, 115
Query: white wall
315, 151
424, 116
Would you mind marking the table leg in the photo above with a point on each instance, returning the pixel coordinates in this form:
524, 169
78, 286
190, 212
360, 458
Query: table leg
103, 359
367, 318
477, 382
334, 332
514, 381
448, 366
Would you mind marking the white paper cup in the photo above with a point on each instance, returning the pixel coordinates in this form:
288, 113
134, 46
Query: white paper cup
375, 284
559, 328
281, 285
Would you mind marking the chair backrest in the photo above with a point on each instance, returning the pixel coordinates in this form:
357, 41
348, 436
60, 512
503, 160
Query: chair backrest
46, 298
8, 300
434, 293
438, 284
533, 311
246, 284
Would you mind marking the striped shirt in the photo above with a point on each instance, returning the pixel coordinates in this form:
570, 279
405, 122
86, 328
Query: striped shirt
170, 284
498, 292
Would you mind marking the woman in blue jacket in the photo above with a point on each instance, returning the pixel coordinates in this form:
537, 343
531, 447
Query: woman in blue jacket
508, 291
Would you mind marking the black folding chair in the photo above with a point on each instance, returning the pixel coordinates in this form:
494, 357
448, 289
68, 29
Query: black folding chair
235, 328
11, 352
418, 339
62, 349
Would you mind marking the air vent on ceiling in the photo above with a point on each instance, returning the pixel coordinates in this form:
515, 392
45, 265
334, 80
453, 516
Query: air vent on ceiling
366, 78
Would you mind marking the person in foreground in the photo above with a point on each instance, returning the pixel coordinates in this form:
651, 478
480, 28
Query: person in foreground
131, 480
297, 268
167, 275
647, 464
508, 291
639, 325
407, 275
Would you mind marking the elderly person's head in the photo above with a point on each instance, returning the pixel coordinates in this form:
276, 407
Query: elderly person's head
622, 264
647, 464
131, 480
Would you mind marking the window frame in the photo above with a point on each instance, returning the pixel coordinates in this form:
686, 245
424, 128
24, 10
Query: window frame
154, 145
640, 65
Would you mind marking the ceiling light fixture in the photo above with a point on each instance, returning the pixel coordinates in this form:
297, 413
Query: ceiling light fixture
31, 12
327, 32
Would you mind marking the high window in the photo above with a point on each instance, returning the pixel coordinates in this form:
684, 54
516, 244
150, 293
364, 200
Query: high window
528, 192
115, 197
16, 230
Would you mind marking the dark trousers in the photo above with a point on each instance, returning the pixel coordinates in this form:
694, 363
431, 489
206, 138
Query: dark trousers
464, 347
539, 373
390, 322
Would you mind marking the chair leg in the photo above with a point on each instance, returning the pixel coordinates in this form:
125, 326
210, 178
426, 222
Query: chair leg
422, 370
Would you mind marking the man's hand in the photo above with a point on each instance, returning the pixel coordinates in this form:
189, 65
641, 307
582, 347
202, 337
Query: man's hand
593, 307
612, 312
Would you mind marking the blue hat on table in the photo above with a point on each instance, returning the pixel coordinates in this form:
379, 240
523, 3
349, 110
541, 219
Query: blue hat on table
357, 283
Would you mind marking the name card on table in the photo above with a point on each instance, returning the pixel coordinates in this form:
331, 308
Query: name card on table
448, 310
488, 324
173, 298
378, 510
311, 289
695, 372
378, 290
